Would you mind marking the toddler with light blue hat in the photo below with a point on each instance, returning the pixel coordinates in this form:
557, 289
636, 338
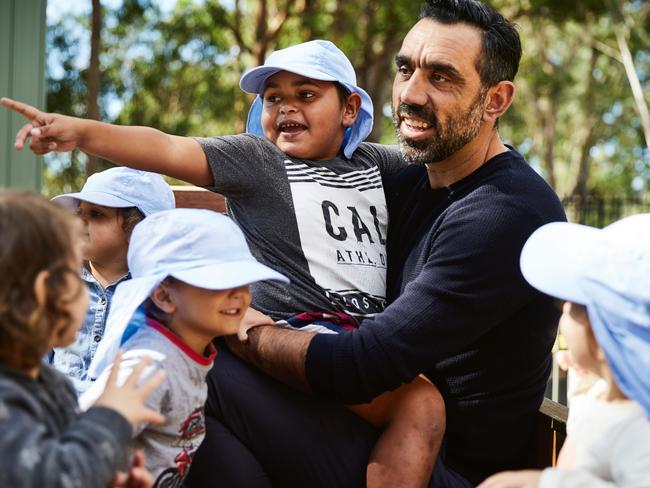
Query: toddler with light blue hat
191, 270
604, 276
110, 204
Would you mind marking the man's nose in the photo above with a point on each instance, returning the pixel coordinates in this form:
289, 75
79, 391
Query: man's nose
413, 90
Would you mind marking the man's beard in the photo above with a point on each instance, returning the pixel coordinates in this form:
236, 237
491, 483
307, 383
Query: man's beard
447, 139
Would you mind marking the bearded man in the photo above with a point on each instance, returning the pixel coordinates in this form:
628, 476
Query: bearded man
460, 313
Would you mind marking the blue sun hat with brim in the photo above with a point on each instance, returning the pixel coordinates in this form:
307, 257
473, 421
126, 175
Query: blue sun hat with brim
199, 247
318, 60
608, 271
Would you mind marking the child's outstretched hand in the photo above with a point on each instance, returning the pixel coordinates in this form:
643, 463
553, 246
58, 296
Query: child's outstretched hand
48, 132
129, 398
137, 477
513, 479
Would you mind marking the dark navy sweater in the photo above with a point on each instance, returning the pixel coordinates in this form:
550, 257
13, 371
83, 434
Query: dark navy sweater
460, 312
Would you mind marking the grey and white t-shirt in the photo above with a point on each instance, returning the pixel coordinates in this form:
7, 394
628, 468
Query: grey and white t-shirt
169, 447
321, 223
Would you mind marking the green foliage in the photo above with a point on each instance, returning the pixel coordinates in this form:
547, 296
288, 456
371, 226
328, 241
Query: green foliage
574, 117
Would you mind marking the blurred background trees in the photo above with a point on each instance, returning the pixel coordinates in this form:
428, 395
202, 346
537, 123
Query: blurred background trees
580, 116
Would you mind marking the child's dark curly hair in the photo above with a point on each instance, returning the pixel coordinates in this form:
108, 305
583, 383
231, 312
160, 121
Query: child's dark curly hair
35, 235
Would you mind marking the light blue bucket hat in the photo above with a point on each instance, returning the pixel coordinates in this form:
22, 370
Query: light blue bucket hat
318, 60
608, 271
199, 247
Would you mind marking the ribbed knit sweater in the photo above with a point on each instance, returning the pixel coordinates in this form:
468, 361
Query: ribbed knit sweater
461, 312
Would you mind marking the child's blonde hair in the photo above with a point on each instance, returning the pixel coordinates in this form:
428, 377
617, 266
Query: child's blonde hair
35, 235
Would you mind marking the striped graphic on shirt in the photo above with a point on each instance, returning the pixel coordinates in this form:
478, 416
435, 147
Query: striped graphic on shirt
361, 180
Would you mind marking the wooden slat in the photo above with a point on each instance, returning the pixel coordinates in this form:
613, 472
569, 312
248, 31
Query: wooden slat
195, 197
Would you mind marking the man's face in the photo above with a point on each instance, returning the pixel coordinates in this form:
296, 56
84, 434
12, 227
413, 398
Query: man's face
438, 97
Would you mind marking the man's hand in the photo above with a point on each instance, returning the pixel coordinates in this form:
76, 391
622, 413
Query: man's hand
513, 479
129, 398
137, 477
252, 319
47, 132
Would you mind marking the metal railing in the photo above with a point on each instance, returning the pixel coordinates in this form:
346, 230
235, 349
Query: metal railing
601, 211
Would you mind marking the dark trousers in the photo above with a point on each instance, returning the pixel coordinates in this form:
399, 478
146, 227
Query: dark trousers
261, 433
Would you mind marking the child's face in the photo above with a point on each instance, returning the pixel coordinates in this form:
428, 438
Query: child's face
212, 313
104, 237
303, 117
576, 329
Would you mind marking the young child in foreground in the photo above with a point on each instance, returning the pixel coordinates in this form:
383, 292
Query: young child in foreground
605, 277
308, 195
45, 441
109, 205
192, 270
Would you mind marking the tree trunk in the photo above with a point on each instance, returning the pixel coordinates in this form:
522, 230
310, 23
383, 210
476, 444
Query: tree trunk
93, 79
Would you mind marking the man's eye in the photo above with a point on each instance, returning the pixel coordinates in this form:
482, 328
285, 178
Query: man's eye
404, 71
438, 78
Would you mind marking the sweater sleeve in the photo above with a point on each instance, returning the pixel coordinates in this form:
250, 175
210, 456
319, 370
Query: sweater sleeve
468, 282
88, 452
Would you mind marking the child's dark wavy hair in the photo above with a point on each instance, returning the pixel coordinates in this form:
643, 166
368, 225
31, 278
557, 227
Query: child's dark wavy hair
35, 235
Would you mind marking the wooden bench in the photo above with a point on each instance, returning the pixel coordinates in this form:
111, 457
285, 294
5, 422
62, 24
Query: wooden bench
550, 434
195, 197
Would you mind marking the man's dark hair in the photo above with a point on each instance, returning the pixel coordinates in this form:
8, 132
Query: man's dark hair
499, 59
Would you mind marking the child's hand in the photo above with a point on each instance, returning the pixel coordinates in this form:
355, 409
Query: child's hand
513, 479
137, 477
48, 132
252, 318
129, 399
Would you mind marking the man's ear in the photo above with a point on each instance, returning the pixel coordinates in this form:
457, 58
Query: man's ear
40, 287
163, 298
498, 100
351, 108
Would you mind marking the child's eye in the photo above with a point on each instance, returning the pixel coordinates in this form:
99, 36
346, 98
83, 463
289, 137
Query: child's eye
271, 99
307, 95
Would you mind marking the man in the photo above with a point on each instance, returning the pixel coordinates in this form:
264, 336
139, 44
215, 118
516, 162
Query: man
461, 312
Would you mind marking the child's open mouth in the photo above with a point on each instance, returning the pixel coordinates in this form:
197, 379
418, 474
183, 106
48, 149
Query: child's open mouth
231, 311
290, 127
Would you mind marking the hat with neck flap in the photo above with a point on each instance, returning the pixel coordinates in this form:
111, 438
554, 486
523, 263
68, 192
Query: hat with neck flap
318, 60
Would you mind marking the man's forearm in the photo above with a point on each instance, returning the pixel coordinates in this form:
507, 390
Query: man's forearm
277, 351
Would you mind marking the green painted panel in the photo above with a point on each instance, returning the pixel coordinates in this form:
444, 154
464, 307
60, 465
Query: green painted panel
6, 51
22, 64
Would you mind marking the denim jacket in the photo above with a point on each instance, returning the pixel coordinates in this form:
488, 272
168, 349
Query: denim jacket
74, 360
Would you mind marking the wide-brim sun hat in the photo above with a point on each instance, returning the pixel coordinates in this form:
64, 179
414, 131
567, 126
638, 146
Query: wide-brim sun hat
123, 188
608, 271
199, 247
318, 60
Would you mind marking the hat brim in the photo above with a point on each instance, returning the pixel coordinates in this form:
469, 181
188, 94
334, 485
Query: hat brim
557, 256
131, 293
71, 200
254, 79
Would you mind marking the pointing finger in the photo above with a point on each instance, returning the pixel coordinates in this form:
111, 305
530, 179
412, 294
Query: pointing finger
25, 110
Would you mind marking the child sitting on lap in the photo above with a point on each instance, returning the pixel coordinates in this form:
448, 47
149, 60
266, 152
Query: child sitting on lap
45, 441
192, 270
110, 204
605, 277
